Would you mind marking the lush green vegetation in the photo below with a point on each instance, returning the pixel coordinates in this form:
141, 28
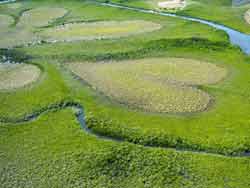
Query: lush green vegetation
53, 150
153, 85
39, 17
99, 30
220, 11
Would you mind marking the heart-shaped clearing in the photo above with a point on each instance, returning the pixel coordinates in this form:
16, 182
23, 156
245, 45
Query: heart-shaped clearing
155, 85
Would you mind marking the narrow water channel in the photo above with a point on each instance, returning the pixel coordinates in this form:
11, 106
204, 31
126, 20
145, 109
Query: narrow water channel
236, 38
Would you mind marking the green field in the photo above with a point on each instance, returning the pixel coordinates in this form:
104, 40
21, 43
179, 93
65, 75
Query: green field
166, 106
99, 30
153, 85
220, 11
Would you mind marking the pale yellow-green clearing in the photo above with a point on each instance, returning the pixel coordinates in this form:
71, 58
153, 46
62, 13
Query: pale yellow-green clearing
99, 30
14, 37
247, 16
14, 5
14, 76
40, 16
5, 21
154, 85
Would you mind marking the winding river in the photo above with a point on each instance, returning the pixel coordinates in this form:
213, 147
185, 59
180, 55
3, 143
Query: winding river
237, 38
80, 115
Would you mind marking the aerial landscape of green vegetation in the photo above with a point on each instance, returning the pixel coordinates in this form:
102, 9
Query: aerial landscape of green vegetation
97, 96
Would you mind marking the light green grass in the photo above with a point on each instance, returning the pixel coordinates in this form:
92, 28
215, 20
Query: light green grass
15, 5
53, 151
153, 85
13, 76
40, 16
217, 11
5, 21
99, 30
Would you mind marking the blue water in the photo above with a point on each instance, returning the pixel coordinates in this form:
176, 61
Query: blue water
236, 38
6, 1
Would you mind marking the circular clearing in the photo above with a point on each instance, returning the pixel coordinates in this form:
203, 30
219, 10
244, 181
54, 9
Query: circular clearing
172, 4
247, 16
99, 30
5, 21
153, 85
13, 76
41, 16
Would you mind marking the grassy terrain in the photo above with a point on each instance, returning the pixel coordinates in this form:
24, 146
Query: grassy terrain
53, 151
17, 75
218, 11
99, 30
40, 16
5, 21
153, 85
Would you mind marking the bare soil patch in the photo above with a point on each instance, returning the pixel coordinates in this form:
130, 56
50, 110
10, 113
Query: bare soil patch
171, 4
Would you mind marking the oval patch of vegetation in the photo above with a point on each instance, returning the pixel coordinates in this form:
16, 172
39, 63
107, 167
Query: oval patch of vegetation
41, 16
99, 30
13, 76
165, 85
5, 21
247, 16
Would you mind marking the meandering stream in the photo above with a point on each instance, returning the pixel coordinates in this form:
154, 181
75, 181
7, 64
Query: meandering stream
236, 38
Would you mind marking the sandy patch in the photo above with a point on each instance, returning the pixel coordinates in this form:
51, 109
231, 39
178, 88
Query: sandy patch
171, 4
247, 16
13, 76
